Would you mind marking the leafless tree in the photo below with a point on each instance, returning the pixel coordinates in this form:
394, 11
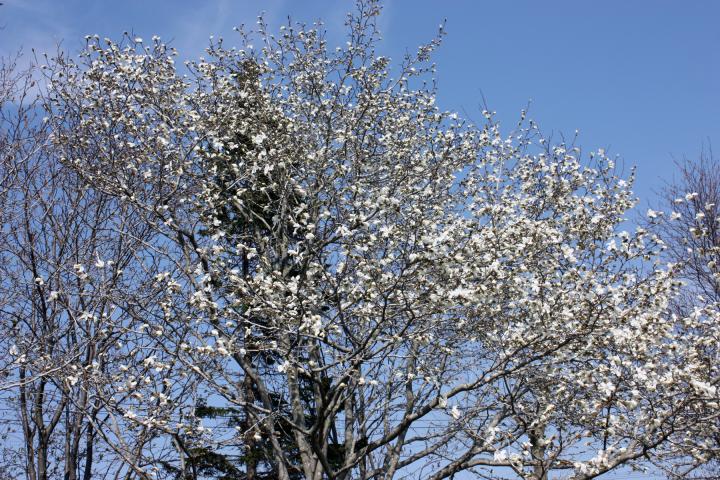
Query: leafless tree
691, 227
689, 223
76, 283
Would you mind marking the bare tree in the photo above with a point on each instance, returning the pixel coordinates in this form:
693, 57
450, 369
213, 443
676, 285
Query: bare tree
76, 282
692, 229
690, 226
20, 139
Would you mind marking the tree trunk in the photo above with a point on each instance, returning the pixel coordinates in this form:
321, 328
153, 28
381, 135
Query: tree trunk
537, 451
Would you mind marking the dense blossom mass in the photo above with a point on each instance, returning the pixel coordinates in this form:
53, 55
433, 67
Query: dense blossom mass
285, 261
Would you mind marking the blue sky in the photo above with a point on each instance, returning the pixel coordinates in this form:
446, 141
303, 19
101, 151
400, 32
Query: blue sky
641, 78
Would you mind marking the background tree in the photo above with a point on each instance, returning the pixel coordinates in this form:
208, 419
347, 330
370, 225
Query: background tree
690, 225
74, 282
691, 230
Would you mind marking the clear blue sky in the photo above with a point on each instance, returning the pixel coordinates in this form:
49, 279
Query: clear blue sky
641, 78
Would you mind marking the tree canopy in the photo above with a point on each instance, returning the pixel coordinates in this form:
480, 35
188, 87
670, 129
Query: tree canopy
286, 261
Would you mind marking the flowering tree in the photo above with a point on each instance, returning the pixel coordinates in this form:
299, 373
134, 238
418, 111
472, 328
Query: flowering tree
373, 287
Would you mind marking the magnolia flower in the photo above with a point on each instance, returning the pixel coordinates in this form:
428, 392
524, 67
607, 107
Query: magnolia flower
500, 455
704, 388
259, 138
455, 412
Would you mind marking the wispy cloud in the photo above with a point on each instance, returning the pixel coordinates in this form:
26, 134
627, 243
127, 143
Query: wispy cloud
39, 25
